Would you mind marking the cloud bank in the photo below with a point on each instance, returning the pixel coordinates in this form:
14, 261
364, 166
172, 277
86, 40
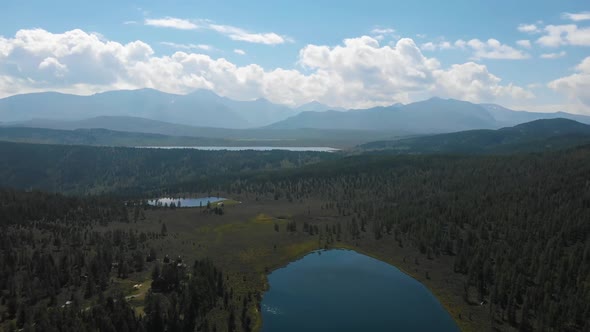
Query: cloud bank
359, 72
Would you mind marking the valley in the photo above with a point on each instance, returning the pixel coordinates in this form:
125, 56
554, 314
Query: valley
281, 166
414, 212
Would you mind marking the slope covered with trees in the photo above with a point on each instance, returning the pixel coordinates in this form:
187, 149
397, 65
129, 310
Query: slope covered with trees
516, 228
535, 136
513, 230
57, 270
84, 169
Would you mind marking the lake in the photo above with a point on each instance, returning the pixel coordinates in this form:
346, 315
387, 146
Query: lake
185, 202
245, 148
342, 290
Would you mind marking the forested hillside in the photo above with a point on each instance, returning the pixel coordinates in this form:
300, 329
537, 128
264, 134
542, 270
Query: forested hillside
57, 270
516, 227
513, 230
535, 136
84, 169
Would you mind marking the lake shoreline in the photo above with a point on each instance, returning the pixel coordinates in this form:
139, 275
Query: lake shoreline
344, 246
384, 294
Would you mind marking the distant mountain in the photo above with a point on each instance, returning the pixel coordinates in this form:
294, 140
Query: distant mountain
205, 109
202, 108
259, 112
538, 135
507, 117
434, 115
316, 106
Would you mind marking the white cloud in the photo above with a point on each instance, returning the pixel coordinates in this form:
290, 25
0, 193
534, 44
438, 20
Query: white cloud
553, 55
357, 73
203, 47
234, 33
569, 34
528, 28
430, 46
461, 44
171, 22
382, 31
40, 59
130, 22
581, 16
493, 49
576, 86
239, 51
53, 64
524, 43
268, 38
473, 82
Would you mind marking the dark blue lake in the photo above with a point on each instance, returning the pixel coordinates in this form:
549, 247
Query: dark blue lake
185, 202
342, 290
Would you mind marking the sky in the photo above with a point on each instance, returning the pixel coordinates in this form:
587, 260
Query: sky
523, 54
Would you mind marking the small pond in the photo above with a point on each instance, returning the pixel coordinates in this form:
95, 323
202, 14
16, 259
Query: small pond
342, 290
185, 202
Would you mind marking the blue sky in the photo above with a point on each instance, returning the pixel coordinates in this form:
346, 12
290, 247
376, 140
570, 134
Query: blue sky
524, 54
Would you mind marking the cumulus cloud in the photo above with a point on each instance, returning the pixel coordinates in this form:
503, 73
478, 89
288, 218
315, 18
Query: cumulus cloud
576, 86
493, 49
461, 44
54, 65
524, 43
581, 16
553, 55
528, 28
473, 82
239, 51
357, 73
431, 46
569, 34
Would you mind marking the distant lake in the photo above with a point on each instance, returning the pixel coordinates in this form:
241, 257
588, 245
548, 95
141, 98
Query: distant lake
245, 148
185, 202
342, 290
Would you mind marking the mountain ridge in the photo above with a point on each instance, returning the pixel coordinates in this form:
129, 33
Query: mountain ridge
534, 136
434, 115
202, 108
205, 109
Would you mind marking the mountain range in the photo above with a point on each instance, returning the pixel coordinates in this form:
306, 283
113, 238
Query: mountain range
179, 115
201, 108
434, 115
